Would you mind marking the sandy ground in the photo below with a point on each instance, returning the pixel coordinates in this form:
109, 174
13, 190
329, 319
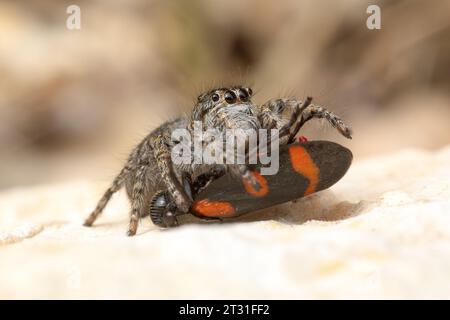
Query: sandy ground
381, 232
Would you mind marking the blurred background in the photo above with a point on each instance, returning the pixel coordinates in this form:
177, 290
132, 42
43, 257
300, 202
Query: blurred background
74, 102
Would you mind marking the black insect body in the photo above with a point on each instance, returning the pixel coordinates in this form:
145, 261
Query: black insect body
305, 168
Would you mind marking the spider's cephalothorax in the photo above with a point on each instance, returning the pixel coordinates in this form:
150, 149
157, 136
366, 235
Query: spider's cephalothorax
149, 170
226, 108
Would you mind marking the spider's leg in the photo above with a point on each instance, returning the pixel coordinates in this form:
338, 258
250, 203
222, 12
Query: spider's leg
314, 111
115, 186
164, 162
137, 199
285, 130
299, 108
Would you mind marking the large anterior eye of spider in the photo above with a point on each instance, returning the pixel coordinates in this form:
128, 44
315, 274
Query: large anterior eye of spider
230, 97
243, 95
215, 97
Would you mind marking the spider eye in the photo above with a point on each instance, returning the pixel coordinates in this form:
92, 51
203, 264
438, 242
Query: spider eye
243, 95
230, 97
215, 97
250, 91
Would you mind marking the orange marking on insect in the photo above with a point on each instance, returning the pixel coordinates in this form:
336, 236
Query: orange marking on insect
303, 164
262, 188
209, 208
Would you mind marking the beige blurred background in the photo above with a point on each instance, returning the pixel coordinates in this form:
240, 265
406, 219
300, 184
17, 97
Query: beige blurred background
73, 103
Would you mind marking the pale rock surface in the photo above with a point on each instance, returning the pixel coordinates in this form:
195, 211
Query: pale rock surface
383, 231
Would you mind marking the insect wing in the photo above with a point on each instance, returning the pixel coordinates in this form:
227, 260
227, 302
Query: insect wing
304, 168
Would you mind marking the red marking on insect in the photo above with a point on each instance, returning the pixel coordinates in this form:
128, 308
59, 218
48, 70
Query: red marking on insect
302, 139
261, 190
207, 208
303, 164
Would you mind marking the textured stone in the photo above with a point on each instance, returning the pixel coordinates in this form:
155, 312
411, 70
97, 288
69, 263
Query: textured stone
383, 231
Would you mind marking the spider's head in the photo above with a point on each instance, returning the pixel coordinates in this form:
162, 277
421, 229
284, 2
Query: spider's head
226, 108
226, 96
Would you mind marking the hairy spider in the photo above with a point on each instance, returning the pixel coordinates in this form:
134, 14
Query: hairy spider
150, 170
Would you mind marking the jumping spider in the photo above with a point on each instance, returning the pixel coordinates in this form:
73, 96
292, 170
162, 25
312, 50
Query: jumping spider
149, 168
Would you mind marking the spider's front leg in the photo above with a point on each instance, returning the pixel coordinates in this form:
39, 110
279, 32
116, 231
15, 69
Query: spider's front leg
273, 114
164, 161
314, 111
165, 205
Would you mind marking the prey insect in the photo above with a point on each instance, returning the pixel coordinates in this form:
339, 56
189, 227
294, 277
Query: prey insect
305, 168
164, 190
